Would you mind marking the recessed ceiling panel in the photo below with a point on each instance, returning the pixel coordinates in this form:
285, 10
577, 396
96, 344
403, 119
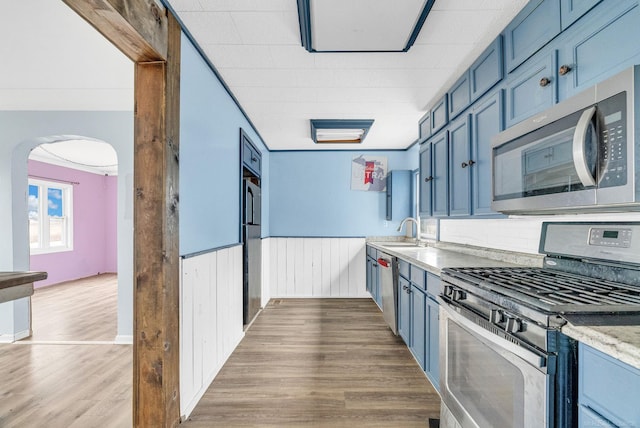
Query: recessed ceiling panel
361, 25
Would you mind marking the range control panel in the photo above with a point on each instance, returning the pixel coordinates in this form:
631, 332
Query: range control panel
610, 237
599, 240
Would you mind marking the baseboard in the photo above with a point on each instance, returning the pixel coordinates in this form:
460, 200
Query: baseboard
123, 339
10, 338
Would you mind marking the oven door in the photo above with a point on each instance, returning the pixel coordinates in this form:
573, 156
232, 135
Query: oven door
487, 381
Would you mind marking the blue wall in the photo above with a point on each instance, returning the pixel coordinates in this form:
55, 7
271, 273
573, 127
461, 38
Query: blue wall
310, 194
210, 124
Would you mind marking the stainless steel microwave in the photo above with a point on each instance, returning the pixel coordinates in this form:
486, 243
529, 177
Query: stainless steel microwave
580, 155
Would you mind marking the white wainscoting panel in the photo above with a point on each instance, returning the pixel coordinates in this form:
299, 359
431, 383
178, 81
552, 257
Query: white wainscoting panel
210, 319
316, 267
266, 272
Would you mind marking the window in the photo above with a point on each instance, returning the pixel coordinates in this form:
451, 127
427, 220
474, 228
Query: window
50, 217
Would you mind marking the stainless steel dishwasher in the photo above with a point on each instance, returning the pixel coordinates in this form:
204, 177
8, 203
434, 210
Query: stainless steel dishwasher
389, 288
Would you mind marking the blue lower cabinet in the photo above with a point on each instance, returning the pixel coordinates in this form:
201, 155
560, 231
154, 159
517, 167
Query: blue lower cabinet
418, 324
372, 283
418, 318
432, 364
404, 310
608, 390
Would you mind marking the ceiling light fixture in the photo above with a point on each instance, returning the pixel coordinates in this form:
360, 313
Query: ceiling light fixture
340, 131
361, 26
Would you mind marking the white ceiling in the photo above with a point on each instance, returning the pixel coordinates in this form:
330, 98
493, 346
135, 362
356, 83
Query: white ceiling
92, 156
55, 61
255, 45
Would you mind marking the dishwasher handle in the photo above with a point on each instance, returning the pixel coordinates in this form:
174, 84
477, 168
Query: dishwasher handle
384, 262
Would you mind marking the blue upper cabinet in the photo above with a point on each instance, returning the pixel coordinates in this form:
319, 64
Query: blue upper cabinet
533, 90
459, 96
426, 179
251, 156
439, 115
571, 10
536, 25
460, 170
424, 126
487, 70
398, 195
599, 46
440, 171
487, 121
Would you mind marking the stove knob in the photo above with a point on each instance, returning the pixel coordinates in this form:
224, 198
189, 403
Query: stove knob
496, 316
458, 295
514, 325
448, 290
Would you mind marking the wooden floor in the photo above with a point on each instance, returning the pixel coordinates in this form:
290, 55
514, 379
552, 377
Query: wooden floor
69, 374
303, 363
82, 310
319, 363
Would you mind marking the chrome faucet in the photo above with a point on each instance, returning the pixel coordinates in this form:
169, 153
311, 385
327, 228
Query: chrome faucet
408, 232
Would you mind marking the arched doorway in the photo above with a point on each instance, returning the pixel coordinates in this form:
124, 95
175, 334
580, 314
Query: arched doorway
72, 210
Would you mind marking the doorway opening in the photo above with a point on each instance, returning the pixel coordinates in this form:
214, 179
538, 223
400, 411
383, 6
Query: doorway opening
72, 210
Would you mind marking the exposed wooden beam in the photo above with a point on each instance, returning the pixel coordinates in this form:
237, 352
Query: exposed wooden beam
156, 253
138, 28
151, 38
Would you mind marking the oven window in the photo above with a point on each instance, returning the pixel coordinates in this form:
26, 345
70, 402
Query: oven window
488, 386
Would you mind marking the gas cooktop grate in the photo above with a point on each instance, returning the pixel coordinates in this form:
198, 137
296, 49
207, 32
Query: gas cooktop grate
551, 289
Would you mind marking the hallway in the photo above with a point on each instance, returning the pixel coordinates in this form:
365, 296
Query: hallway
319, 363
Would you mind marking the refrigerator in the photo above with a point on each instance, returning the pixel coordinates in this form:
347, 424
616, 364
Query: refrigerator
252, 258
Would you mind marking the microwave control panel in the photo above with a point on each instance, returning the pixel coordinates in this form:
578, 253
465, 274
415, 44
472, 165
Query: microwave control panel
613, 148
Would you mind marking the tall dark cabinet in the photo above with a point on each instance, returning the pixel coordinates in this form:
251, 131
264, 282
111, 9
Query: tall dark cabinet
251, 165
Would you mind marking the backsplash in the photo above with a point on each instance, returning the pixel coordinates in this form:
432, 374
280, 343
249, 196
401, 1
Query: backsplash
515, 233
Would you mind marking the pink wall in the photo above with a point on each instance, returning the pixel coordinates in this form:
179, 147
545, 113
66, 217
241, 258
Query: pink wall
94, 226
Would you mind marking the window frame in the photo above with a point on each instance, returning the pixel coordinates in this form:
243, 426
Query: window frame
44, 246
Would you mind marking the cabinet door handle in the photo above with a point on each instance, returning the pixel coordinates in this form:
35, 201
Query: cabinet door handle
470, 162
254, 159
427, 179
545, 81
564, 69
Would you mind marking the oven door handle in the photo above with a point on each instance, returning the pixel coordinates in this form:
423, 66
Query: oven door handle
580, 161
508, 342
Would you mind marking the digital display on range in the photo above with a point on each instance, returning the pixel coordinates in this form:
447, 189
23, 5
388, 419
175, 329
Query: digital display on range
611, 234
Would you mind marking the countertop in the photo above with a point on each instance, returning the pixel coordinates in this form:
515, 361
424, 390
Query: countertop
16, 285
12, 279
436, 256
619, 341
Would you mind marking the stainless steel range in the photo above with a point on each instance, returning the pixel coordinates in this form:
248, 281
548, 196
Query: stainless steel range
505, 361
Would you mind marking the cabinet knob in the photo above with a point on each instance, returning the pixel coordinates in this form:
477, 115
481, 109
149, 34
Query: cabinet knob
564, 69
427, 179
545, 81
470, 162
254, 159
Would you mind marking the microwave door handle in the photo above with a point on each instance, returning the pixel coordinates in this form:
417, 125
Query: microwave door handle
579, 155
